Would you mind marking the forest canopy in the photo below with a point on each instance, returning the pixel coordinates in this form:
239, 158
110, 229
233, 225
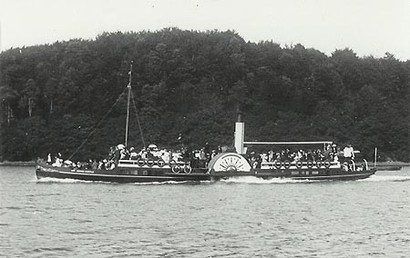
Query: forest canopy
190, 84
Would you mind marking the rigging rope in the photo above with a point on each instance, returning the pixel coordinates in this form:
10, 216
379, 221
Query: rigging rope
99, 123
138, 120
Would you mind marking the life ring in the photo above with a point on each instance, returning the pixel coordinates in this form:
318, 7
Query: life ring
187, 169
318, 164
141, 162
278, 164
176, 169
161, 163
286, 164
150, 162
309, 164
299, 164
172, 163
327, 164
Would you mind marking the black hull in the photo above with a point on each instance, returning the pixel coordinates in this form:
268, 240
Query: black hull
316, 174
118, 175
145, 175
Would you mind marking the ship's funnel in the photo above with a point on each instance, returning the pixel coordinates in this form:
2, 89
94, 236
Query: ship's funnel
239, 137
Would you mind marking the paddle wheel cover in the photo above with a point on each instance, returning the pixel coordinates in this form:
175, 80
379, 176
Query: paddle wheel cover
229, 162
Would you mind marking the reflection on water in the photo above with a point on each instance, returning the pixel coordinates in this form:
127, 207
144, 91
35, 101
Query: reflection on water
240, 217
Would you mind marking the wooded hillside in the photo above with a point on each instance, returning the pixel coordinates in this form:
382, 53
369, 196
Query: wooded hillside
189, 83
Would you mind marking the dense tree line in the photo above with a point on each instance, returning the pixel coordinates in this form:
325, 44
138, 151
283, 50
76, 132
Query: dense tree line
191, 83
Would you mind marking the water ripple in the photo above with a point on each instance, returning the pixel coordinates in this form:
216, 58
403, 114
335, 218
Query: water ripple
245, 217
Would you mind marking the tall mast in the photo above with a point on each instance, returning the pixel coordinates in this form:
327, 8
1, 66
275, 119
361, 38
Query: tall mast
128, 105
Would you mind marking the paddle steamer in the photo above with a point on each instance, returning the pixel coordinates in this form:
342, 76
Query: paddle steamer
222, 165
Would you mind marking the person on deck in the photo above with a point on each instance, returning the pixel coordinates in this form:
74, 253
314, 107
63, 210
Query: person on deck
348, 152
327, 152
334, 148
117, 155
49, 160
133, 154
166, 156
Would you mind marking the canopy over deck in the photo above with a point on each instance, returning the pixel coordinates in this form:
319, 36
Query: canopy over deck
288, 143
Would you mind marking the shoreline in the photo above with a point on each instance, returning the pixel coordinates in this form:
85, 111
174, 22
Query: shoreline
18, 163
390, 164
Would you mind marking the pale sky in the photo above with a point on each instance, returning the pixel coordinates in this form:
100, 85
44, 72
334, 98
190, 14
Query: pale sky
369, 27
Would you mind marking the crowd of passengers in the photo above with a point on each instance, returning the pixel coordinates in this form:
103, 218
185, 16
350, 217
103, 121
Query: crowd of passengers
331, 153
201, 157
196, 158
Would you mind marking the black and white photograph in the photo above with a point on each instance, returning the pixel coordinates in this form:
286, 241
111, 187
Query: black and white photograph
204, 128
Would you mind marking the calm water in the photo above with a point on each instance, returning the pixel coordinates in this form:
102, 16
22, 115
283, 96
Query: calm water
236, 218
